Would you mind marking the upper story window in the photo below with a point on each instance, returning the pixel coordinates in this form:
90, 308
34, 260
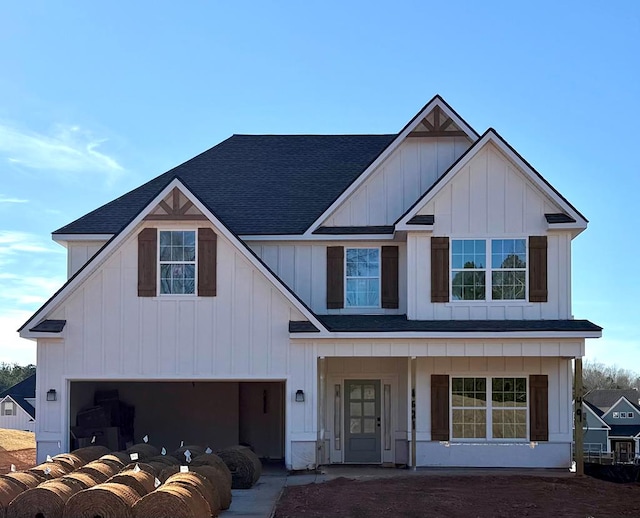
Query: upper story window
362, 277
496, 266
177, 257
8, 408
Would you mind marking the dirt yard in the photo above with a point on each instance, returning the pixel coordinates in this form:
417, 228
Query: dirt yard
17, 448
461, 496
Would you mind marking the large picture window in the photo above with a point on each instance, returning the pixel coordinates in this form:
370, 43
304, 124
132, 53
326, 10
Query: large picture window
495, 268
177, 262
489, 408
362, 277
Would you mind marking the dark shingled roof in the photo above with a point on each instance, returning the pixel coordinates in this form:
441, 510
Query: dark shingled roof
427, 219
24, 389
400, 323
559, 218
604, 399
49, 326
255, 184
624, 430
595, 409
382, 229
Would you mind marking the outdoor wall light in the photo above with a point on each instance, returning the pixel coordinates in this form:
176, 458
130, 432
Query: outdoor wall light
51, 395
300, 396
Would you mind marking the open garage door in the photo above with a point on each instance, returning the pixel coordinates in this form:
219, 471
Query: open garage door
217, 414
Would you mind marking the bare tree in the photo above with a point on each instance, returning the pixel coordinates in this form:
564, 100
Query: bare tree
597, 375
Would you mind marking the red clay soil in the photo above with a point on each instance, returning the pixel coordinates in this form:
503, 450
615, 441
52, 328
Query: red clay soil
22, 459
461, 496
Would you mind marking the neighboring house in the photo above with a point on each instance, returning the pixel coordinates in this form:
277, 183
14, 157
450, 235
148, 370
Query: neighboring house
386, 299
17, 405
613, 422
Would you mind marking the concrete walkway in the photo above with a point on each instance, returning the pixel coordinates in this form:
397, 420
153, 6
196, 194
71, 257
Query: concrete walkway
261, 499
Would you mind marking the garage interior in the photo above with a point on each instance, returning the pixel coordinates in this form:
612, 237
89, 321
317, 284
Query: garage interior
217, 414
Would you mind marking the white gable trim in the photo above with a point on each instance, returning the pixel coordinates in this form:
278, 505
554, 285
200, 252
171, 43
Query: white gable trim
106, 251
18, 405
411, 125
63, 239
491, 136
635, 409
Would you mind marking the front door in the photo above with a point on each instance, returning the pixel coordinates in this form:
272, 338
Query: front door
624, 451
362, 421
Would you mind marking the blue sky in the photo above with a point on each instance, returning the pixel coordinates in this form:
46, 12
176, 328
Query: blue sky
98, 97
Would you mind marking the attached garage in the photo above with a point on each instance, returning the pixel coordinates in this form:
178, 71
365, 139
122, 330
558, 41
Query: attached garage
209, 413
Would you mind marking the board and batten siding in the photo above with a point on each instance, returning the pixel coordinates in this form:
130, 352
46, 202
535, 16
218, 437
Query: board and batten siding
399, 181
489, 198
20, 421
79, 252
303, 267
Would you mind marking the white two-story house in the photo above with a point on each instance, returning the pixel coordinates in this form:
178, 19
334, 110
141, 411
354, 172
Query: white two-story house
400, 299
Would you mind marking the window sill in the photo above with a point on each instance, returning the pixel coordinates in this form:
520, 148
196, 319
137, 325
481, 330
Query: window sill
496, 303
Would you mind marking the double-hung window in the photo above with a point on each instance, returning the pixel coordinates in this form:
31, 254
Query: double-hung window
489, 408
177, 257
8, 408
488, 269
362, 277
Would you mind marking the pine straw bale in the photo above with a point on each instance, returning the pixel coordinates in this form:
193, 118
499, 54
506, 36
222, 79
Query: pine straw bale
172, 501
9, 489
69, 459
211, 459
150, 467
24, 479
102, 501
54, 469
144, 451
244, 465
100, 470
220, 479
167, 460
140, 481
84, 480
203, 485
91, 453
117, 457
194, 449
45, 501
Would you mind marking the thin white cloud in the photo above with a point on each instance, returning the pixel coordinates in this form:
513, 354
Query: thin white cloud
15, 349
14, 242
67, 149
4, 199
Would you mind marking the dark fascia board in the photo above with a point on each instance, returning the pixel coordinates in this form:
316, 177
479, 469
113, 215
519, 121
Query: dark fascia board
382, 229
559, 218
400, 323
296, 326
49, 326
427, 219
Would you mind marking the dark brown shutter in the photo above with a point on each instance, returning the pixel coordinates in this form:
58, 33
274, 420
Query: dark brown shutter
207, 254
439, 407
335, 277
390, 277
538, 268
439, 269
147, 257
539, 407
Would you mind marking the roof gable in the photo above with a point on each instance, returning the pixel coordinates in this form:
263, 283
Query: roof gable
492, 140
435, 119
25, 388
596, 414
622, 403
152, 210
604, 399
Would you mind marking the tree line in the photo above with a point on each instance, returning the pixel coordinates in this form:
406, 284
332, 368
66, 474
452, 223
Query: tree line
596, 375
12, 373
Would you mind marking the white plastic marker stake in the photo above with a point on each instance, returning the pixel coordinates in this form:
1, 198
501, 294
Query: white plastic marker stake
184, 469
187, 455
93, 439
145, 438
181, 444
136, 468
47, 471
59, 446
49, 459
134, 456
164, 451
208, 450
156, 482
13, 468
